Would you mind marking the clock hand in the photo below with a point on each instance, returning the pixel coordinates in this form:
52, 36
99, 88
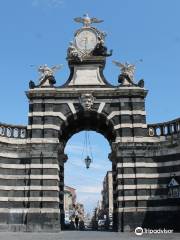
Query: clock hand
86, 43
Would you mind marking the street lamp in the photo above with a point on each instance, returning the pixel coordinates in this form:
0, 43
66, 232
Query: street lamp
87, 161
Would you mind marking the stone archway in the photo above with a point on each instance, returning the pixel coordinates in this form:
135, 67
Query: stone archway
82, 120
85, 101
143, 159
57, 113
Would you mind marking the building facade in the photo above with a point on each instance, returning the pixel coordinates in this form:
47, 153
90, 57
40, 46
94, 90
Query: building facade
107, 195
145, 157
79, 211
69, 202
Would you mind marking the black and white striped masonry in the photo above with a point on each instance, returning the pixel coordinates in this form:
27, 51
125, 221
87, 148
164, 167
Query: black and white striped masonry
144, 157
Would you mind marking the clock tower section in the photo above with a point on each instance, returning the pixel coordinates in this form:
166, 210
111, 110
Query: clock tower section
86, 55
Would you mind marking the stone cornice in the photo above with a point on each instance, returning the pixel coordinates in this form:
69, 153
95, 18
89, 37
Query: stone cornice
75, 92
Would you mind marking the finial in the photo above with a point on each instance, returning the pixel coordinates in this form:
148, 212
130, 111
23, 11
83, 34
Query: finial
86, 20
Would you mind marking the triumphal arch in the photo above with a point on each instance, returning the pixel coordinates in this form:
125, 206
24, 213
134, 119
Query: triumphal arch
145, 157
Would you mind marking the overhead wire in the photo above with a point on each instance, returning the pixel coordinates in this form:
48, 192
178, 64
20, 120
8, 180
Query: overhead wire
87, 148
90, 147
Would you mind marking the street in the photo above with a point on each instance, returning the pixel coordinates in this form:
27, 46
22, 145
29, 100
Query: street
84, 235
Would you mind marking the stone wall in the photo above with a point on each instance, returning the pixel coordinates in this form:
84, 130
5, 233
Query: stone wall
143, 173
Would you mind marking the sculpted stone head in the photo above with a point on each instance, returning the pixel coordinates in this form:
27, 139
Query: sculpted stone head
87, 101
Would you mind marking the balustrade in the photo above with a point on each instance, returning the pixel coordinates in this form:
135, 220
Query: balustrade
12, 131
164, 129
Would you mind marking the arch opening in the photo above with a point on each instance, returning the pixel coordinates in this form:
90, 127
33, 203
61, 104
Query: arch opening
90, 183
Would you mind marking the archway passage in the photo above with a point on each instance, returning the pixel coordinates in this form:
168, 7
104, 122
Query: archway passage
87, 192
87, 120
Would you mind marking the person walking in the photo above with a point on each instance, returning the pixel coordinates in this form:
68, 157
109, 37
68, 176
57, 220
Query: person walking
72, 227
76, 221
81, 225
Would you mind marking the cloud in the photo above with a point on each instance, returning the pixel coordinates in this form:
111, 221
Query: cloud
48, 3
94, 166
76, 178
89, 200
98, 166
70, 148
89, 189
78, 148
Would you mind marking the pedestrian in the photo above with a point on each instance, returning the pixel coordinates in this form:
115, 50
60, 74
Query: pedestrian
81, 225
72, 227
76, 221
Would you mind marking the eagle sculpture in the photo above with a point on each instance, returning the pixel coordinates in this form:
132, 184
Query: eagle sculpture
86, 20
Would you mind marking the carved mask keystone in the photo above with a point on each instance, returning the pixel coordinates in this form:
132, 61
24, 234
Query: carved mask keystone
87, 101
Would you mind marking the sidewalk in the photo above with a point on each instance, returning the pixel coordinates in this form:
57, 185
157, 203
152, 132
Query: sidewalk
84, 235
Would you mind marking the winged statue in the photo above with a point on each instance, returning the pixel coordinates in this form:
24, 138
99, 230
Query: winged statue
46, 71
86, 20
126, 69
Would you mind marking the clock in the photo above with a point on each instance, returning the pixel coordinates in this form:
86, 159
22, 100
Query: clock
86, 39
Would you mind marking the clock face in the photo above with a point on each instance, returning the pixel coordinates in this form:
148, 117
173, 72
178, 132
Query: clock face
86, 40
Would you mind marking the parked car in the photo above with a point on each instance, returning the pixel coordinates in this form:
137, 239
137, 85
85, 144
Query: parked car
101, 224
111, 225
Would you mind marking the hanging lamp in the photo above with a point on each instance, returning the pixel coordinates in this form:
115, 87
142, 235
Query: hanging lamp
87, 150
87, 161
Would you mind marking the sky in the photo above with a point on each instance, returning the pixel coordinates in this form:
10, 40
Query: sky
36, 32
87, 182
